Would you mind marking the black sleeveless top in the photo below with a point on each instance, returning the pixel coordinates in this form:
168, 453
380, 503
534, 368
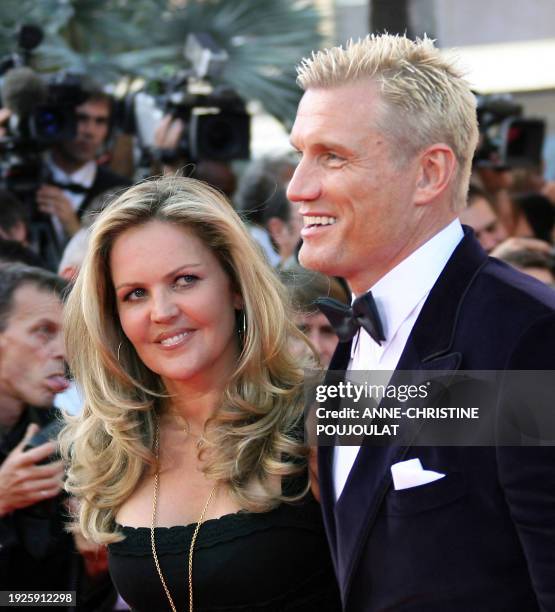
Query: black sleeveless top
275, 561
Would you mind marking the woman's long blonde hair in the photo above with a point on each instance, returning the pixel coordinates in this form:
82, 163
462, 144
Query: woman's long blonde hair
255, 432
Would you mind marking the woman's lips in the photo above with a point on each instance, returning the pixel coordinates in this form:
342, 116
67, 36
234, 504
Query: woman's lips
177, 340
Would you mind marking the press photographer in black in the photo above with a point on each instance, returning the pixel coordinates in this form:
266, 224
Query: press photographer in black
76, 178
55, 130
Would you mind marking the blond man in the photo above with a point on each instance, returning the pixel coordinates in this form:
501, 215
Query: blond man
386, 131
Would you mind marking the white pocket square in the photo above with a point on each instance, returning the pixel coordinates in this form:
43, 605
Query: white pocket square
408, 474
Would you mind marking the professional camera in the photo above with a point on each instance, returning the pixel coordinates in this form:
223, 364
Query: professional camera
217, 125
507, 140
43, 111
42, 114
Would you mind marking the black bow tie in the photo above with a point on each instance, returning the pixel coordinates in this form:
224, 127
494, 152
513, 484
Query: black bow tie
73, 187
347, 321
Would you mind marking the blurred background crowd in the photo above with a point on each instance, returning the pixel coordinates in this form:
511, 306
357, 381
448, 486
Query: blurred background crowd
96, 96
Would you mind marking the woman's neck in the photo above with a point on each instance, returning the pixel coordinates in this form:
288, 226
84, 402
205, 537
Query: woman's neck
193, 406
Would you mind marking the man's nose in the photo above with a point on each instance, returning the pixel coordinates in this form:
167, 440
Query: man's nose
316, 338
86, 127
164, 308
57, 346
304, 186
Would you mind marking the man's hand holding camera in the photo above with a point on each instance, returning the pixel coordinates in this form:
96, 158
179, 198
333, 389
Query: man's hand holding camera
23, 482
52, 200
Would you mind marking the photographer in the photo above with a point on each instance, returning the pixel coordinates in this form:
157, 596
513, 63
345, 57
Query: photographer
76, 178
35, 550
508, 141
172, 159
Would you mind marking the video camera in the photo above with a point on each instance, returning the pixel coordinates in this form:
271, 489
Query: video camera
43, 111
42, 114
507, 140
217, 124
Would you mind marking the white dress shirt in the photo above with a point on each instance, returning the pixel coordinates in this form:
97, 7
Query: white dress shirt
84, 176
399, 298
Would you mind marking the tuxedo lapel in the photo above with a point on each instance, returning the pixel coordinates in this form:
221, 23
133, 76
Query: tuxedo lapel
356, 510
433, 332
428, 348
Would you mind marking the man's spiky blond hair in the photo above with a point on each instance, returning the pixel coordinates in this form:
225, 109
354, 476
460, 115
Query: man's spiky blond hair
426, 100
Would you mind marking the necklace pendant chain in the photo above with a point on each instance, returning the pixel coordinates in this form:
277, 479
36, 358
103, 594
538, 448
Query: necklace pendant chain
153, 523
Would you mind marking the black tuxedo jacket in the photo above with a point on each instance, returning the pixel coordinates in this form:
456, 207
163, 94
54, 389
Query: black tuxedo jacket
104, 180
483, 537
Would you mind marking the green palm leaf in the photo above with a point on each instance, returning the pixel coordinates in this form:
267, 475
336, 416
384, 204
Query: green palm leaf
112, 38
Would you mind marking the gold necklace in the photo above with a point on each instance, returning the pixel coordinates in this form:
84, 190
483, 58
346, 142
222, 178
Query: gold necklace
193, 539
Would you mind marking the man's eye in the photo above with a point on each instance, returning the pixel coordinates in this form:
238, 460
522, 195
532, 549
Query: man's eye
332, 157
45, 331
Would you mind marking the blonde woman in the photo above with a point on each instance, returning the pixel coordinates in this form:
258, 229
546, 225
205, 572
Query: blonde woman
188, 458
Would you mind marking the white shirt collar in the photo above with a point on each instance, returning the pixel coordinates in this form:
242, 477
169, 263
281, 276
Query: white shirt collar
84, 176
400, 291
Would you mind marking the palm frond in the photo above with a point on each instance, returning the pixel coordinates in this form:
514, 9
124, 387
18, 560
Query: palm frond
112, 38
264, 40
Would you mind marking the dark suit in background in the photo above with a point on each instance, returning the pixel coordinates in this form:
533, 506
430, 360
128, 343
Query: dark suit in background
105, 181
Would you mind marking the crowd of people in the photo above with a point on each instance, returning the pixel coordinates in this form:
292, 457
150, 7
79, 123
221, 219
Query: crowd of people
169, 324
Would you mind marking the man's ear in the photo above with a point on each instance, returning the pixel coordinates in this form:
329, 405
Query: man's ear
69, 273
437, 166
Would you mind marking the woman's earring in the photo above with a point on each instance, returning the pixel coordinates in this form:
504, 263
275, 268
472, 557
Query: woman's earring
119, 347
242, 325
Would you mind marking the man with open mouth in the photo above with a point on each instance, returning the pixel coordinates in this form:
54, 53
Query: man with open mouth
35, 551
386, 131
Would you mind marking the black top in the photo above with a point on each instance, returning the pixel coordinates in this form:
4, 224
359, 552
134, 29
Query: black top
274, 561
